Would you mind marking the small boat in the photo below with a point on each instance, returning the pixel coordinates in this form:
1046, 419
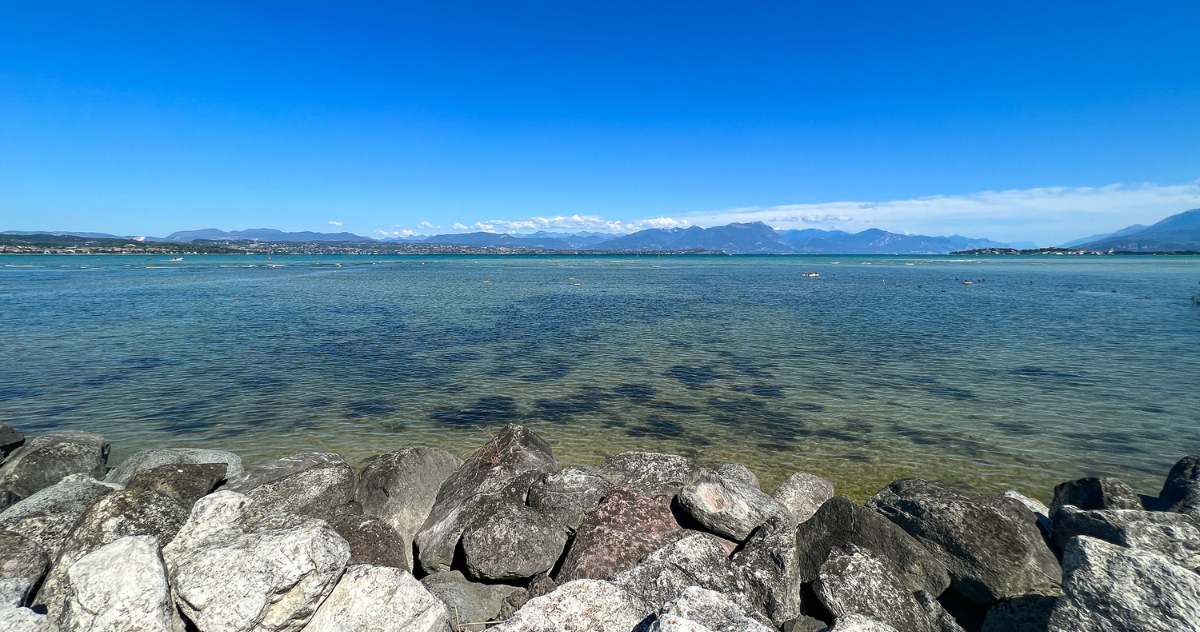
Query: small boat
175, 260
811, 275
968, 283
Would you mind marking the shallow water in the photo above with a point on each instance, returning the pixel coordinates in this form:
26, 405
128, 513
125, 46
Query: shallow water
1042, 369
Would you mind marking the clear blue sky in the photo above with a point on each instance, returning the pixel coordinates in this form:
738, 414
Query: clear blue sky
144, 118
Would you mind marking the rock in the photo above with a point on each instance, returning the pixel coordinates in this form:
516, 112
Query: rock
513, 543
854, 581
48, 516
118, 515
1020, 614
45, 460
649, 473
500, 472
1174, 535
372, 541
468, 602
584, 605
698, 609
400, 487
696, 559
622, 530
1095, 493
234, 569
23, 564
804, 623
184, 482
10, 440
150, 459
120, 587
369, 598
24, 620
840, 522
569, 495
802, 494
767, 566
1109, 588
1181, 490
728, 507
315, 484
512, 603
1041, 513
990, 545
737, 471
8, 498
859, 623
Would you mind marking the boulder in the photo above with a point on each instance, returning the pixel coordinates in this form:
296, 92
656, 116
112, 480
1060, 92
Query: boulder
767, 566
859, 623
500, 472
513, 543
120, 587
728, 506
48, 516
10, 440
234, 569
315, 484
8, 498
696, 559
1095, 493
622, 530
1109, 588
46, 459
802, 494
150, 459
584, 605
468, 602
184, 482
372, 541
648, 473
118, 515
569, 495
1174, 535
369, 598
854, 581
24, 620
701, 610
991, 546
23, 564
805, 623
1041, 513
1181, 491
1020, 614
840, 522
400, 487
737, 471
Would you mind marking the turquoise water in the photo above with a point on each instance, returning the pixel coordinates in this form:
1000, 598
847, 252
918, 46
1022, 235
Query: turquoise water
1043, 369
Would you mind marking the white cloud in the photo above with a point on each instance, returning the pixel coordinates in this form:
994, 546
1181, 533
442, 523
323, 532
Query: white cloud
575, 222
403, 232
460, 226
426, 224
336, 222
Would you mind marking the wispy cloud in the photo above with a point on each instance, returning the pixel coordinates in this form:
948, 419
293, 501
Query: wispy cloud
336, 222
575, 222
426, 224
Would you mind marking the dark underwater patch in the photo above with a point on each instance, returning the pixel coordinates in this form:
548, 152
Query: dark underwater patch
369, 408
674, 407
8, 393
692, 376
483, 411
635, 392
1042, 373
656, 425
584, 401
766, 390
1012, 426
952, 392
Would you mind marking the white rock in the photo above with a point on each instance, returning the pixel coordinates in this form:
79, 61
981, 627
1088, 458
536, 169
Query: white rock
584, 605
803, 494
859, 623
24, 620
697, 559
380, 599
120, 587
150, 459
728, 506
702, 610
48, 516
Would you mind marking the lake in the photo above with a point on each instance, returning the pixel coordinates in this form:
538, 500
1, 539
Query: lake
1040, 370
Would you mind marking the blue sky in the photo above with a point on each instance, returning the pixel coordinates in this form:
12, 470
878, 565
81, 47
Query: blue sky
1034, 121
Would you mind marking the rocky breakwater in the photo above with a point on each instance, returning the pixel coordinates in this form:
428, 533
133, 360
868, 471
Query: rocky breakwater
509, 540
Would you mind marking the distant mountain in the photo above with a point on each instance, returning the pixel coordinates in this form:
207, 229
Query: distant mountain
1128, 230
62, 233
755, 238
540, 239
1177, 232
878, 242
261, 234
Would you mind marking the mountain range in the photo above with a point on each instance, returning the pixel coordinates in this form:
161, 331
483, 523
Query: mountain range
1180, 232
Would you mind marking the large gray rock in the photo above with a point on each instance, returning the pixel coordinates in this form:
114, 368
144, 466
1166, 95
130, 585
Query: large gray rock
120, 514
376, 598
10, 440
184, 482
150, 459
514, 543
1020, 614
372, 541
1109, 588
120, 587
234, 569
621, 531
728, 506
8, 498
1174, 535
1041, 513
859, 623
696, 559
802, 494
569, 495
649, 473
46, 459
854, 581
584, 605
840, 522
1095, 493
316, 484
23, 564
14, 619
1181, 490
702, 610
498, 473
466, 601
400, 487
767, 565
48, 516
991, 545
